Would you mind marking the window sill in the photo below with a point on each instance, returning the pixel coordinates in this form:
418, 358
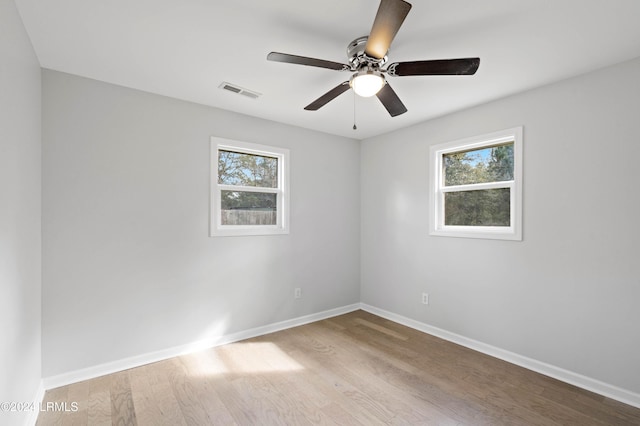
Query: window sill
248, 231
487, 233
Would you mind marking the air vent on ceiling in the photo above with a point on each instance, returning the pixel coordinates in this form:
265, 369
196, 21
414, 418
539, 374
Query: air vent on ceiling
239, 90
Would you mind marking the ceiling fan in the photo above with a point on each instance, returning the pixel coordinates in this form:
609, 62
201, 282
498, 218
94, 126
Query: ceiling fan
367, 55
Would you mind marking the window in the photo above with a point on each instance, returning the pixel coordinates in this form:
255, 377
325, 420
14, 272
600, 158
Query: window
249, 189
476, 187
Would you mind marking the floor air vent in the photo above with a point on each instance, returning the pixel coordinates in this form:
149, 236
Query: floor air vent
239, 90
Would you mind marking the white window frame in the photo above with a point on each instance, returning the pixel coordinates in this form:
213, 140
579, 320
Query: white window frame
282, 190
437, 188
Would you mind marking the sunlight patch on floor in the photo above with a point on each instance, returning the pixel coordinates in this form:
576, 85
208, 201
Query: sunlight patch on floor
244, 358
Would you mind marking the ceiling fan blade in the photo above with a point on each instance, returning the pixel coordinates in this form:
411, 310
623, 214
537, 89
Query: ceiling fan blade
465, 66
391, 101
328, 97
303, 60
390, 16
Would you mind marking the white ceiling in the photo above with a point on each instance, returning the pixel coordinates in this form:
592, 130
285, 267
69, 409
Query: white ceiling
186, 48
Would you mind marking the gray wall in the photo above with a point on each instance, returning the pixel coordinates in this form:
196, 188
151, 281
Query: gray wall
128, 266
568, 293
20, 242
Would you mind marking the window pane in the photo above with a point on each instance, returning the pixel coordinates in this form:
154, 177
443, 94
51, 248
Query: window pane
248, 208
489, 207
236, 168
491, 164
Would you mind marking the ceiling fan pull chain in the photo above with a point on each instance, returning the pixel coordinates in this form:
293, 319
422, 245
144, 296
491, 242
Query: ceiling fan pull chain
354, 112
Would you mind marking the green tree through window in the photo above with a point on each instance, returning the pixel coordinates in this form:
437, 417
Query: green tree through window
491, 164
248, 170
478, 207
237, 168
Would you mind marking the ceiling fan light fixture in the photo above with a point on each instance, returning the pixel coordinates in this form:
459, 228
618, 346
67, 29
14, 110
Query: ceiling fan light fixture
367, 83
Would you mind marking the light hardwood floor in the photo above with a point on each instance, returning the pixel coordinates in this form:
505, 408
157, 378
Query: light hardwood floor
355, 369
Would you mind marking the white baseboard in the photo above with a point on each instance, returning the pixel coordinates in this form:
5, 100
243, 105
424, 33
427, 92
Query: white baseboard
566, 376
136, 361
32, 418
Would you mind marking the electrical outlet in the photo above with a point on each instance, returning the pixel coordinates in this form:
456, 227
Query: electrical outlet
297, 293
425, 298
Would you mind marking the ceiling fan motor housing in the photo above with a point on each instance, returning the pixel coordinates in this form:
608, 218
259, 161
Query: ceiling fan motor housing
359, 59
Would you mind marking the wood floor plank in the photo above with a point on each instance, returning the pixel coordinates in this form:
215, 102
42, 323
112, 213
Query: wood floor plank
336, 388
219, 378
354, 369
482, 392
204, 389
401, 377
488, 397
99, 401
381, 329
362, 386
48, 416
295, 384
122, 409
185, 391
153, 398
